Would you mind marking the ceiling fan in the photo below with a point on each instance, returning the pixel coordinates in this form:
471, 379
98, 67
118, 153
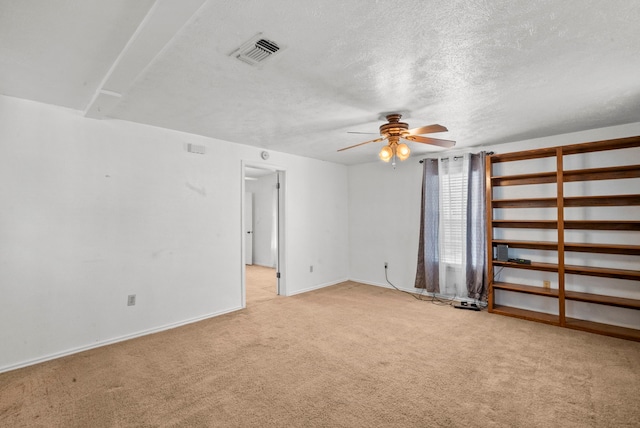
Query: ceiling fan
394, 130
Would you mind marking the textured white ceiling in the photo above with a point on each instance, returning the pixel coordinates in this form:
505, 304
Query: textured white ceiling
490, 71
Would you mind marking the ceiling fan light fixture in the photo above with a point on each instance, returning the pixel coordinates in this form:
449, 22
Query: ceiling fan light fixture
394, 130
403, 151
386, 153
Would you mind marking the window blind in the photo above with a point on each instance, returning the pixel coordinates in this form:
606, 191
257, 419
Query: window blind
453, 217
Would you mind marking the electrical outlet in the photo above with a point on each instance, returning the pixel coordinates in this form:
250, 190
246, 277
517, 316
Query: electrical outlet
546, 284
131, 300
311, 268
386, 265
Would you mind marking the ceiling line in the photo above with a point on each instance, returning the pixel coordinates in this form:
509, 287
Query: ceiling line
160, 25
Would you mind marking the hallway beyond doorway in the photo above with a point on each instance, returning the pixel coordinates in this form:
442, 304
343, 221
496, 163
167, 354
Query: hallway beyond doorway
261, 284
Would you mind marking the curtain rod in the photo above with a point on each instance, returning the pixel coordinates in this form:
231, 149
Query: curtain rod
455, 157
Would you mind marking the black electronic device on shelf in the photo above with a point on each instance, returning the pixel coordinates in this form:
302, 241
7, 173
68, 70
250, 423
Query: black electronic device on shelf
503, 252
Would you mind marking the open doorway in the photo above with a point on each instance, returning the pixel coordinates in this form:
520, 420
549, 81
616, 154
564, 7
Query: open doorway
263, 229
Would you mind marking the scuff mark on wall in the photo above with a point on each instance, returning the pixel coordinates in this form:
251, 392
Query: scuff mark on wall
199, 190
156, 254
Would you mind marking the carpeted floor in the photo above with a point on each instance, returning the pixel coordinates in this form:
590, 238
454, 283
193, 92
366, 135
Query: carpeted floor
261, 284
351, 355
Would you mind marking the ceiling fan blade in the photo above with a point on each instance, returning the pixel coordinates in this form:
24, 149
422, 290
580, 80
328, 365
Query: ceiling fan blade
434, 141
366, 142
427, 129
356, 132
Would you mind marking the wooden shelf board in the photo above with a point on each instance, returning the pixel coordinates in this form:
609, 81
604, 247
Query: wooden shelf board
602, 201
526, 314
571, 149
631, 250
605, 329
523, 155
633, 275
526, 224
571, 201
598, 146
546, 267
610, 173
572, 323
525, 203
528, 289
602, 299
602, 225
532, 245
520, 179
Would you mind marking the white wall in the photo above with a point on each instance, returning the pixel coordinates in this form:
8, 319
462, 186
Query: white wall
384, 222
317, 193
384, 210
263, 216
93, 211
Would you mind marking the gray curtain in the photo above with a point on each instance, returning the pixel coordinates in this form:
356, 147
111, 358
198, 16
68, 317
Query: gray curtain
476, 229
428, 270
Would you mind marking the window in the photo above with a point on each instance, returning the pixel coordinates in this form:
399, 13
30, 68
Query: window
453, 210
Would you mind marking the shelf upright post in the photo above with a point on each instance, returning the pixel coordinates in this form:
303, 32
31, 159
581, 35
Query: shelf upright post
489, 229
560, 196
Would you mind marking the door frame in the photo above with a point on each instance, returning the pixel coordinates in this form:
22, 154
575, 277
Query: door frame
248, 240
281, 254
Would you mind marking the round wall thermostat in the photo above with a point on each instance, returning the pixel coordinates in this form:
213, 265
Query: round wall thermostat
265, 155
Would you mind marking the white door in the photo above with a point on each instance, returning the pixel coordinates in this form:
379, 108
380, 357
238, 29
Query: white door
248, 225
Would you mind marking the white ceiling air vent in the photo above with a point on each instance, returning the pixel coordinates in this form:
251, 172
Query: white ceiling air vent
196, 148
256, 50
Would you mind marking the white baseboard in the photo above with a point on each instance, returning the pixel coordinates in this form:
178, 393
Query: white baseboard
112, 341
378, 284
201, 318
317, 287
419, 291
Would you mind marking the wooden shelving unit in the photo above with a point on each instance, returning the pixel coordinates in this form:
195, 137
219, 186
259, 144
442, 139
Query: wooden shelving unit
558, 247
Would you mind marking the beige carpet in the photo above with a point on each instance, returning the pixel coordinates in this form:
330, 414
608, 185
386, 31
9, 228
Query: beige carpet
350, 355
261, 284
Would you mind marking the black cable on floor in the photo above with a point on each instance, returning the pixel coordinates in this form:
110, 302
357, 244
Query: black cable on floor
434, 299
